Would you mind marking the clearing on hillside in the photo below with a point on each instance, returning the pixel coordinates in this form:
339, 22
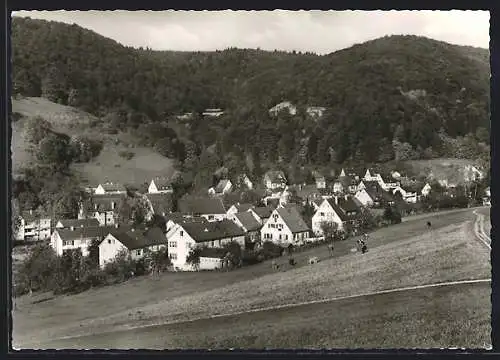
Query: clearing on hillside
140, 166
450, 169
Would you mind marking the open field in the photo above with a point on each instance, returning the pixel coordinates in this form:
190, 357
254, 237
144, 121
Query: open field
108, 166
439, 317
402, 255
441, 168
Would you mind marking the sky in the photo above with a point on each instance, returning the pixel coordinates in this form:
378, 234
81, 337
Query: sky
321, 32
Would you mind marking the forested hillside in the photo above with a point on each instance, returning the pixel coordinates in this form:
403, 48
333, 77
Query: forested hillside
398, 97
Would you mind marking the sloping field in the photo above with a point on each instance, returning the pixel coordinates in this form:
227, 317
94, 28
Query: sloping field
108, 166
449, 169
441, 317
448, 254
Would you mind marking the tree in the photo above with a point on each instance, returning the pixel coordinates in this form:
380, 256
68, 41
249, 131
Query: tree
331, 231
55, 149
38, 269
193, 257
234, 255
392, 215
158, 260
37, 129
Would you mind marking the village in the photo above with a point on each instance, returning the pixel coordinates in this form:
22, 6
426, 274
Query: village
337, 209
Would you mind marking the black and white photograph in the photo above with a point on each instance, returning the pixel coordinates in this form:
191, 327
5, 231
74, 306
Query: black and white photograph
312, 179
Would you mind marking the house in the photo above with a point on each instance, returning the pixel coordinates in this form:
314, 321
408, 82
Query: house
345, 184
210, 208
63, 239
306, 192
315, 111
285, 226
101, 207
274, 179
261, 213
161, 203
243, 181
213, 112
396, 175
135, 242
370, 193
471, 173
407, 196
238, 208
110, 188
426, 190
160, 186
285, 105
319, 180
316, 203
338, 210
249, 224
223, 187
77, 223
187, 236
33, 226
175, 219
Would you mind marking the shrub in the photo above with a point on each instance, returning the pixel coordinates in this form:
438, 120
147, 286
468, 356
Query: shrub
126, 154
270, 250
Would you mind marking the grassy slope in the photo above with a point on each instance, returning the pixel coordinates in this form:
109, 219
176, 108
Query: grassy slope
108, 165
442, 168
426, 318
398, 256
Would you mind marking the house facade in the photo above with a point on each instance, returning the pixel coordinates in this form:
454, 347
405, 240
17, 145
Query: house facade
338, 210
223, 187
285, 226
63, 239
33, 226
274, 180
244, 182
364, 198
183, 238
160, 186
134, 242
250, 225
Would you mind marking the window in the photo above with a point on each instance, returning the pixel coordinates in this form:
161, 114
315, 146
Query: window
109, 241
172, 256
138, 252
172, 244
68, 242
286, 237
321, 214
182, 233
210, 217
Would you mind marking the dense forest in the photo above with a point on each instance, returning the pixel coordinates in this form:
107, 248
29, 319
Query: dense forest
393, 98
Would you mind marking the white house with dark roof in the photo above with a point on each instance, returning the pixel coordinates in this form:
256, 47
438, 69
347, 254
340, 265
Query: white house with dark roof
77, 238
160, 185
102, 208
110, 188
285, 226
33, 226
216, 112
223, 187
275, 179
135, 242
187, 236
315, 111
426, 190
247, 221
159, 203
338, 210
243, 181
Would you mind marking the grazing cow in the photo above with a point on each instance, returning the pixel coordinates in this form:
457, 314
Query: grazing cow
313, 260
275, 265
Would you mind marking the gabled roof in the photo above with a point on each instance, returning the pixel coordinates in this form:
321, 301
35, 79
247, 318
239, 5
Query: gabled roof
162, 203
343, 207
178, 218
85, 233
112, 187
292, 219
275, 176
139, 238
33, 216
163, 183
243, 207
201, 232
199, 206
214, 253
346, 180
68, 223
221, 185
263, 211
307, 191
248, 221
